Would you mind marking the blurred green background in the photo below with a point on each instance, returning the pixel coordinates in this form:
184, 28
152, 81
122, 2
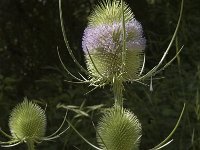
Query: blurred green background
29, 67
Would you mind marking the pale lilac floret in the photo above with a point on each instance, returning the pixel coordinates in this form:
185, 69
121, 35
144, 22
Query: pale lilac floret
103, 37
135, 27
137, 44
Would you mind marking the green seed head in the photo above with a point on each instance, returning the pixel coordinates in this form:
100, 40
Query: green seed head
27, 121
119, 129
108, 12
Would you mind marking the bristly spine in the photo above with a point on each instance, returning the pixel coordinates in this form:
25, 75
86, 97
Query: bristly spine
108, 12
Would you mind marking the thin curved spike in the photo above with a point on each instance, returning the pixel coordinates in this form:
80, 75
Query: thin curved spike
65, 68
93, 63
9, 142
91, 90
56, 136
77, 82
99, 135
164, 145
84, 79
169, 136
59, 127
97, 85
148, 74
142, 69
167, 64
124, 37
56, 69
138, 139
37, 142
66, 41
174, 35
5, 134
159, 78
151, 85
11, 145
142, 83
76, 147
83, 137
177, 49
45, 107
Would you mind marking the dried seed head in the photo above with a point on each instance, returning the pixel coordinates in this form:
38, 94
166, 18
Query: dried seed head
27, 121
103, 43
119, 129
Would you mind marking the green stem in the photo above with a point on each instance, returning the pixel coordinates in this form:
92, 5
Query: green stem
118, 91
30, 145
117, 80
124, 37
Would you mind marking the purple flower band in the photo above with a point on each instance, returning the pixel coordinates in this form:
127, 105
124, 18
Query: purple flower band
109, 37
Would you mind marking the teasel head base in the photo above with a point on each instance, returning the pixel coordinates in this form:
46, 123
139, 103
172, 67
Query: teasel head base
30, 145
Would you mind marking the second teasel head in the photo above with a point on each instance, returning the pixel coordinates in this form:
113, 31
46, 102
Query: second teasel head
28, 124
28, 121
119, 129
103, 43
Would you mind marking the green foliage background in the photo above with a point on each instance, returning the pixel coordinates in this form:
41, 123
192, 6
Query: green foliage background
29, 67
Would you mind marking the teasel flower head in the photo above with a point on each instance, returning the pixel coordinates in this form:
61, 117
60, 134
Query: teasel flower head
103, 43
114, 45
119, 129
28, 121
28, 124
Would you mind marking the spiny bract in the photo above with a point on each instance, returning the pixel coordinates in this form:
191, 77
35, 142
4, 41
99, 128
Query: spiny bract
103, 43
27, 121
119, 129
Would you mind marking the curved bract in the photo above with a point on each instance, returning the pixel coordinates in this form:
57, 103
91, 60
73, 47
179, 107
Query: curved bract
119, 129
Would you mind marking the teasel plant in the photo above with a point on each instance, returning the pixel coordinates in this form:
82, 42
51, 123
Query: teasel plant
113, 45
28, 124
